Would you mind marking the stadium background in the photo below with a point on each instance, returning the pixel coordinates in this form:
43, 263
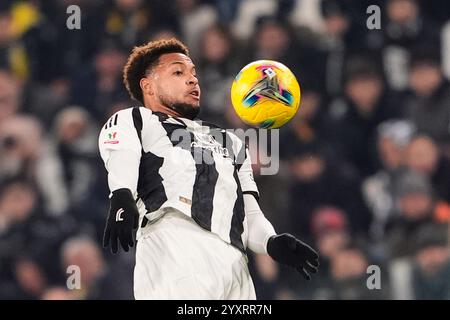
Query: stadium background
365, 173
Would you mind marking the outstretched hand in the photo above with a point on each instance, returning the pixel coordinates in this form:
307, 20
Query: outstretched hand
288, 250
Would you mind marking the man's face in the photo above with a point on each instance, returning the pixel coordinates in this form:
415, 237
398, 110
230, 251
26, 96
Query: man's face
331, 242
391, 154
310, 106
432, 259
415, 206
272, 40
364, 92
422, 155
175, 83
402, 11
425, 79
336, 24
308, 168
348, 264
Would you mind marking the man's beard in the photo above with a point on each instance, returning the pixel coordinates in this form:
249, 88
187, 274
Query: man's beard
185, 110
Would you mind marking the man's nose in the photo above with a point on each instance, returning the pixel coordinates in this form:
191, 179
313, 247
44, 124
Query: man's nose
192, 80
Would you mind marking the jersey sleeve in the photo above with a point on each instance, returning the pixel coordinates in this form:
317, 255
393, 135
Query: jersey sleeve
259, 228
120, 149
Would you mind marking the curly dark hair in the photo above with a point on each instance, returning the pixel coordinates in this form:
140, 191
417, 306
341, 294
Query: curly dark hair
144, 57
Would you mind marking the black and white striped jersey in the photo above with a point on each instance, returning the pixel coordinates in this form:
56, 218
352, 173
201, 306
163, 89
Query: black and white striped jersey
195, 167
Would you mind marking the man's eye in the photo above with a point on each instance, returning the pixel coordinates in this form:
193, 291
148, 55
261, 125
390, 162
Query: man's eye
178, 73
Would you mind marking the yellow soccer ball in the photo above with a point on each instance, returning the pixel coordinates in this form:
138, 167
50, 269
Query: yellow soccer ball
265, 94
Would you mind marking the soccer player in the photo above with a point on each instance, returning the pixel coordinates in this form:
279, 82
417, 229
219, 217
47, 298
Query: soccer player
196, 218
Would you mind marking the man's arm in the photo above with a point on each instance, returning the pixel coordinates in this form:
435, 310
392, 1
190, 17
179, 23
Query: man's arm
120, 149
283, 248
262, 238
259, 228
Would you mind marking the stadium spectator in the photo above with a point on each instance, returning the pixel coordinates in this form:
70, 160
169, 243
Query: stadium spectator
431, 275
26, 155
267, 279
403, 31
428, 104
349, 274
273, 204
30, 277
307, 125
248, 12
415, 206
99, 85
128, 21
353, 120
273, 40
424, 274
58, 293
216, 69
194, 18
334, 44
423, 155
97, 280
393, 136
331, 233
76, 148
29, 239
312, 177
21, 142
84, 254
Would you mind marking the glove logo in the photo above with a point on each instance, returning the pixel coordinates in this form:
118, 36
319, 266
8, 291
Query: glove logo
119, 214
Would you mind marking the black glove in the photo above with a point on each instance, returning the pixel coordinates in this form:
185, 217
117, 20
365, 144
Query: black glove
288, 250
123, 218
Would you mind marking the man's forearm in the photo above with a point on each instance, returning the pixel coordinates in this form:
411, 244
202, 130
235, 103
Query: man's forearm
259, 228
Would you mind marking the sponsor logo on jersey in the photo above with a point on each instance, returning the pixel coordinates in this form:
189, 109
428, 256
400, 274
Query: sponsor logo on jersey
207, 141
112, 138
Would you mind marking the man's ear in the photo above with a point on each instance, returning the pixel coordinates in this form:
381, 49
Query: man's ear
146, 86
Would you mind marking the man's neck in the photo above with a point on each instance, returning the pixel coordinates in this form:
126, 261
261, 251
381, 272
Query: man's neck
160, 108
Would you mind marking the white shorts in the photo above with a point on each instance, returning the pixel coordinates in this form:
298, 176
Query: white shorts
177, 259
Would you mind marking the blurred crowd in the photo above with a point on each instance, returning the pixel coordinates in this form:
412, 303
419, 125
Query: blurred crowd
365, 164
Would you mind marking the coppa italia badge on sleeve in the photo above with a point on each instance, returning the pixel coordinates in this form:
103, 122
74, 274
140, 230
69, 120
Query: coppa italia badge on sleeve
112, 138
